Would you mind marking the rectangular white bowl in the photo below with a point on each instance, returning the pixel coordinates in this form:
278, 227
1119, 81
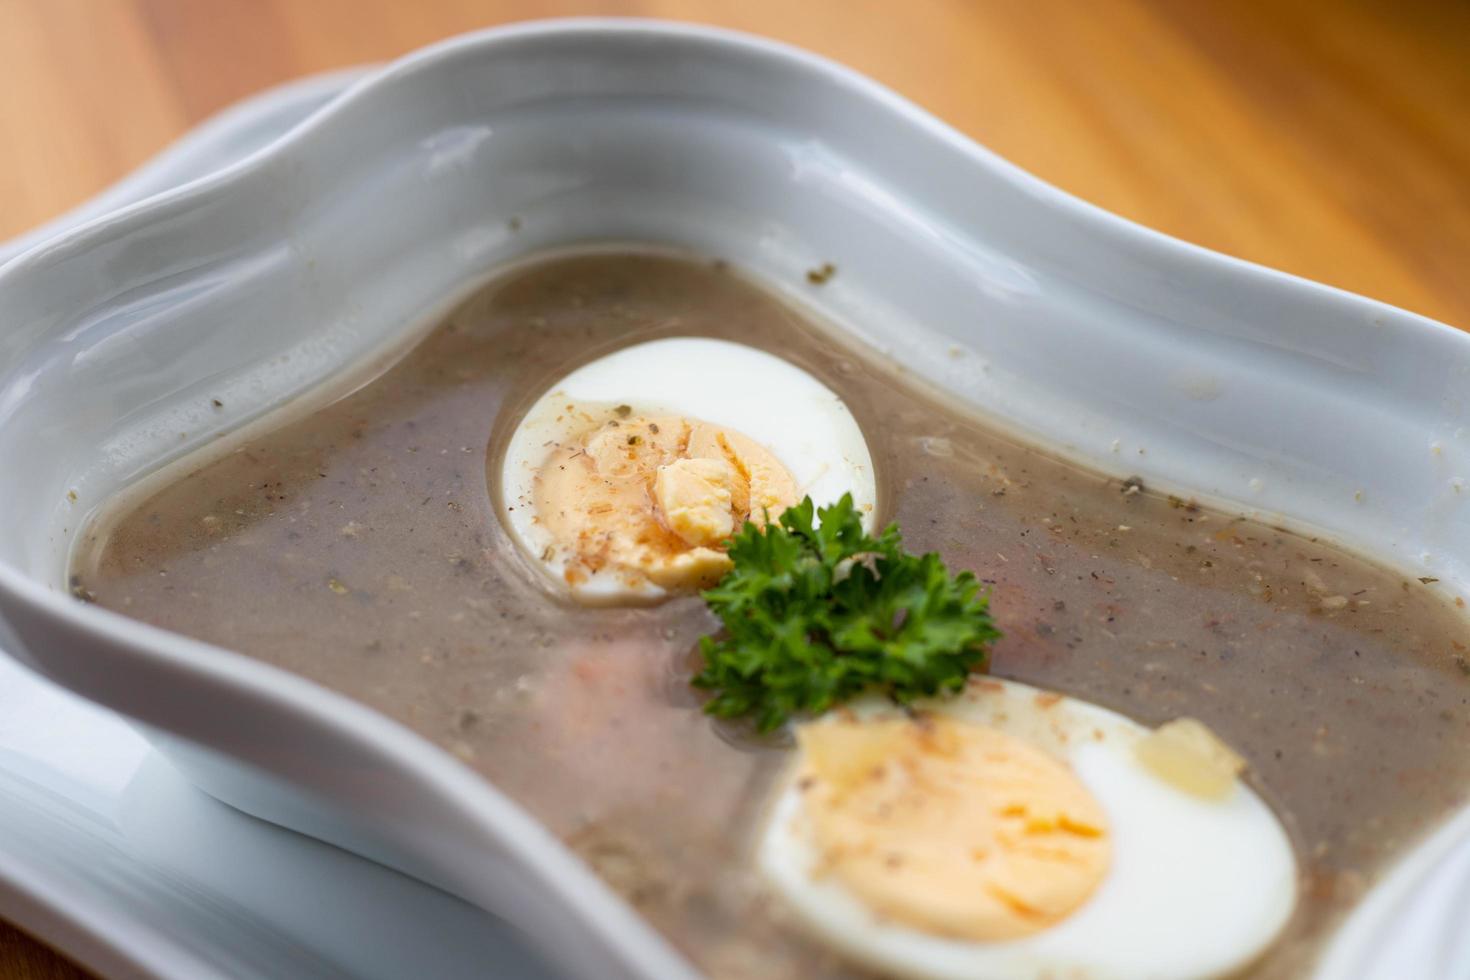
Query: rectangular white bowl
1120, 347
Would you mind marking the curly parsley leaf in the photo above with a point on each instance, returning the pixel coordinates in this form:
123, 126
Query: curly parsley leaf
817, 611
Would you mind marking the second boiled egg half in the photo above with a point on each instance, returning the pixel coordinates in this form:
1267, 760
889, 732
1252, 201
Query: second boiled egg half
626, 477
1011, 834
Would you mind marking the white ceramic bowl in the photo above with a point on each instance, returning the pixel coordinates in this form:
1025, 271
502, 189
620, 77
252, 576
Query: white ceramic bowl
1128, 350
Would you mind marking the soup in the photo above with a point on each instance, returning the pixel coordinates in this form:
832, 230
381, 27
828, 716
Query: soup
360, 545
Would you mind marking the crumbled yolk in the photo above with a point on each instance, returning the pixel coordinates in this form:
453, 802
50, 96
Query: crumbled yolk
653, 499
1190, 757
951, 827
694, 496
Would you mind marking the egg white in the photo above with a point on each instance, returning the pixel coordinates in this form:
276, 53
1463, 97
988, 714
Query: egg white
1197, 888
799, 420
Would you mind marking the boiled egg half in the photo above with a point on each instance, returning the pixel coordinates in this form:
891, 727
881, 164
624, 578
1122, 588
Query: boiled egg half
625, 478
1011, 833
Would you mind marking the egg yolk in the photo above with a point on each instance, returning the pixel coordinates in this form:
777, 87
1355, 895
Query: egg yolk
1188, 756
653, 499
950, 827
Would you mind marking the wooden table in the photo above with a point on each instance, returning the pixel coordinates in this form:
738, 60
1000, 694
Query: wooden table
1329, 138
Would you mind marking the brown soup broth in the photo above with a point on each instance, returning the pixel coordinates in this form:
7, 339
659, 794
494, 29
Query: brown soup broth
359, 546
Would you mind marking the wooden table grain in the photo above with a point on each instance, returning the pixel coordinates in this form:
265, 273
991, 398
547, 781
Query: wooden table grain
1328, 138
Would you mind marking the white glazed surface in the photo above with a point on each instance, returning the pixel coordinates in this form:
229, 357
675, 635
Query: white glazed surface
108, 853
1126, 349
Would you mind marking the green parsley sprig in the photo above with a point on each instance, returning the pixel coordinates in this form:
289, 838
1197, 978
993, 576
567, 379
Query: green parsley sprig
817, 611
